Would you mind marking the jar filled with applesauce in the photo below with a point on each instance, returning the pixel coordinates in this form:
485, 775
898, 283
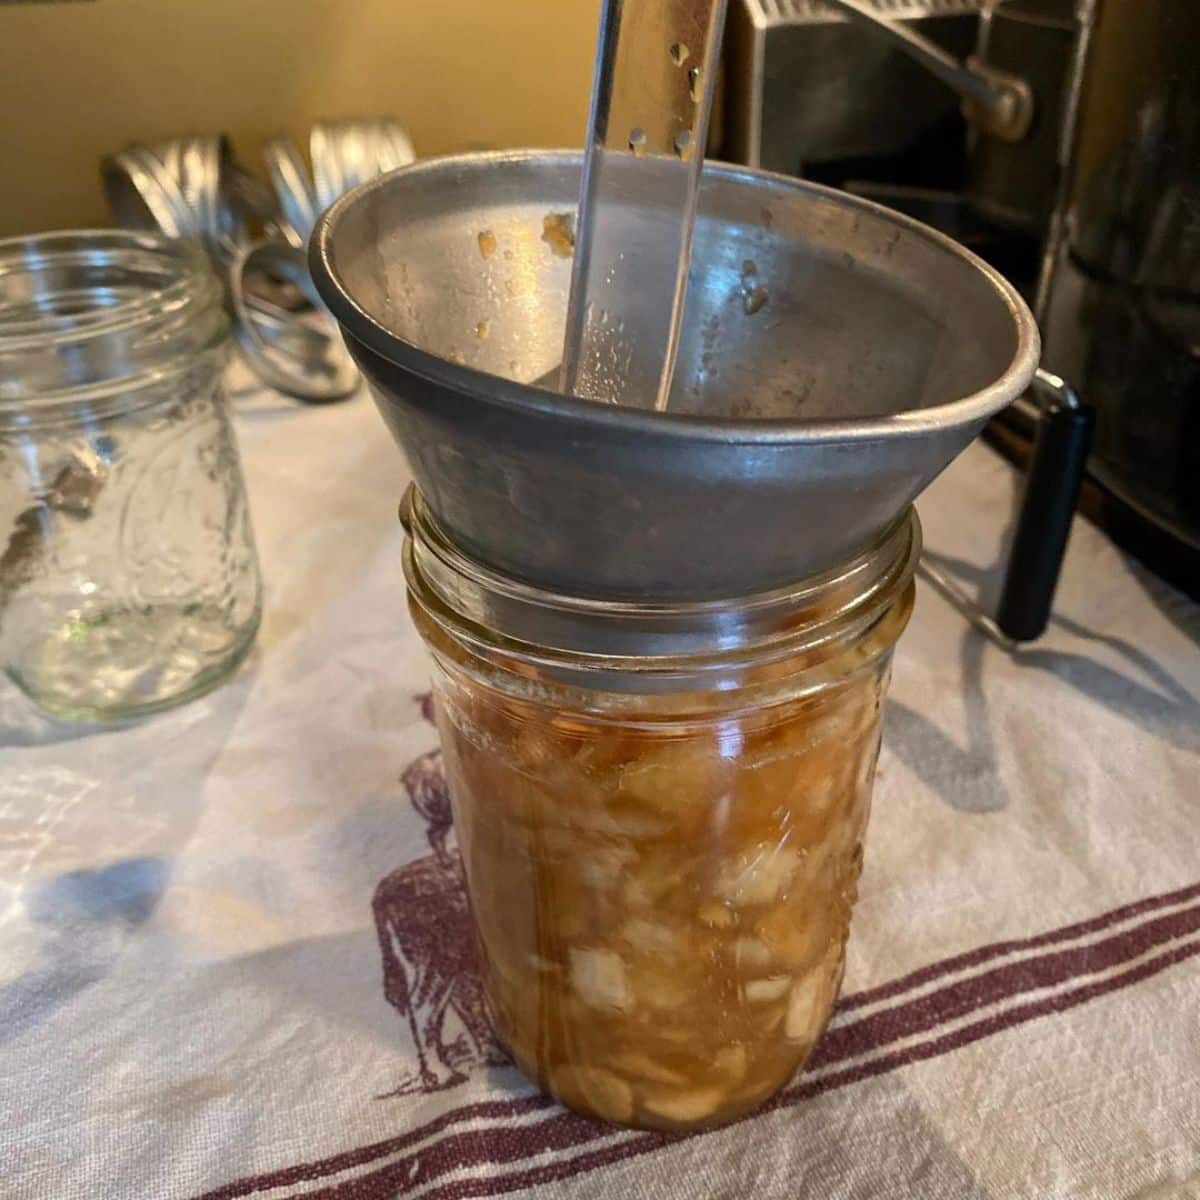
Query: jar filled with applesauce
661, 809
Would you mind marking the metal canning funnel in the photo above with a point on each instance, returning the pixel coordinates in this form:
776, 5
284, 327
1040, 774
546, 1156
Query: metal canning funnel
835, 357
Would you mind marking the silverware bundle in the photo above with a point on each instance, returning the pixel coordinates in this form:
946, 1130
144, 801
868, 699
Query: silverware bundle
255, 234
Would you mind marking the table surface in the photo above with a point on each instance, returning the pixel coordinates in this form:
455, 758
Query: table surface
195, 910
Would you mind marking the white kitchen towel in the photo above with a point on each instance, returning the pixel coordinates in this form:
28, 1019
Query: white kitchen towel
234, 963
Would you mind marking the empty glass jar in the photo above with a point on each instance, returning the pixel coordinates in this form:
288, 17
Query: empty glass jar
128, 574
660, 808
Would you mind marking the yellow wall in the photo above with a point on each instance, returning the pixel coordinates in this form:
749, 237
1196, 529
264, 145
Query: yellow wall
77, 80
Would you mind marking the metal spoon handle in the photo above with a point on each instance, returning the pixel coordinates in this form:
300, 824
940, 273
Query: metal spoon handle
651, 99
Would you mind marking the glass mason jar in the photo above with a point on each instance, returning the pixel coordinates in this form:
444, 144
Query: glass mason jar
660, 809
128, 574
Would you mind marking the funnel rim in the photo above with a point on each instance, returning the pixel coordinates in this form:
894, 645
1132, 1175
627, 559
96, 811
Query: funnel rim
499, 392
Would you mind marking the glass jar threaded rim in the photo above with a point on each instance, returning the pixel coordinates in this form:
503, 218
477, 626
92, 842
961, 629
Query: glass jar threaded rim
641, 644
95, 316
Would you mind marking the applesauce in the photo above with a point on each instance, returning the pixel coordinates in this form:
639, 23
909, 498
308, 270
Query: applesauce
661, 810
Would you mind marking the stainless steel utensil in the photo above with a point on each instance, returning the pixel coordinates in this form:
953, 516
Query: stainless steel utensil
349, 152
141, 193
300, 356
343, 154
192, 187
835, 357
656, 65
185, 187
293, 188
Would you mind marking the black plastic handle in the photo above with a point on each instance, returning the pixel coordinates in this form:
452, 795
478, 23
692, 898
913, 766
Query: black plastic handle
1060, 451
